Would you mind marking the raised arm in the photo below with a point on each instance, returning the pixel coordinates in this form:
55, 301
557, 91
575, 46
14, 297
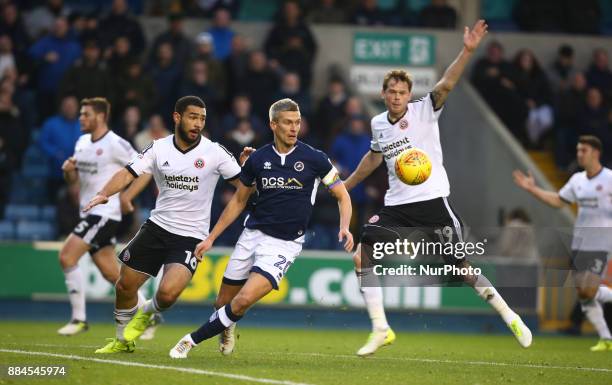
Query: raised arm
370, 162
527, 183
233, 209
471, 40
117, 183
345, 208
69, 169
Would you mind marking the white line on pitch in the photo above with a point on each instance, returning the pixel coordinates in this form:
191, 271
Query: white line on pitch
152, 366
438, 361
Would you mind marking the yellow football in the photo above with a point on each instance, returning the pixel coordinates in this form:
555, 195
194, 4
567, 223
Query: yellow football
413, 166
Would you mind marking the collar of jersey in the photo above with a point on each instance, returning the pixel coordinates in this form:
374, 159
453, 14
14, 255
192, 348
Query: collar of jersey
285, 154
398, 119
190, 148
596, 175
100, 138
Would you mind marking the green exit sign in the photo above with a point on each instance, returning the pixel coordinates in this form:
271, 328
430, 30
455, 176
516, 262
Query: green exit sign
394, 49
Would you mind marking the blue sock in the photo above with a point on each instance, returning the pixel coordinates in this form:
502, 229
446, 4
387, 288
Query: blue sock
218, 322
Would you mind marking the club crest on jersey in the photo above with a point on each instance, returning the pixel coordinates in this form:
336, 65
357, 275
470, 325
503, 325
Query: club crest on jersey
267, 166
99, 151
373, 219
199, 163
126, 255
298, 166
403, 124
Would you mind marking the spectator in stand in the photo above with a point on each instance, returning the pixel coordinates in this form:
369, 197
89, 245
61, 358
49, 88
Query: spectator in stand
6, 170
120, 56
91, 30
260, 84
236, 65
166, 75
330, 110
291, 43
569, 103
207, 8
135, 87
7, 58
154, 130
291, 88
12, 133
241, 110
562, 71
352, 108
57, 138
55, 53
175, 35
119, 22
491, 76
40, 20
533, 88
327, 12
518, 238
346, 153
222, 33
368, 13
88, 77
599, 74
198, 84
594, 121
438, 14
216, 73
12, 24
241, 136
131, 123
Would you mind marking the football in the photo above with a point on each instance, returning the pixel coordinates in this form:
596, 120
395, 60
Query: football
413, 166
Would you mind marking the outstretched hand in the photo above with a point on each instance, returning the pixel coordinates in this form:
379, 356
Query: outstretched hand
472, 38
526, 182
97, 200
244, 155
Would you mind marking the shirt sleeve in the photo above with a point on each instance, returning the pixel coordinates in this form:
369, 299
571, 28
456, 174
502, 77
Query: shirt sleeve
567, 192
125, 152
144, 162
374, 145
227, 167
247, 174
326, 170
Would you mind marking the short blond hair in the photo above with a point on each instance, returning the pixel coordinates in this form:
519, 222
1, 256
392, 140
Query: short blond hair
397, 75
282, 106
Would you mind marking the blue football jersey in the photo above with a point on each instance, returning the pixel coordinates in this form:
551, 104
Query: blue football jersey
287, 186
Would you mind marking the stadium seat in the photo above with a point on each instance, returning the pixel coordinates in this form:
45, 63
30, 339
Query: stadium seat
48, 213
21, 212
35, 231
7, 230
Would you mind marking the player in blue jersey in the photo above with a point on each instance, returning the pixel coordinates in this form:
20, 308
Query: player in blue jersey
285, 174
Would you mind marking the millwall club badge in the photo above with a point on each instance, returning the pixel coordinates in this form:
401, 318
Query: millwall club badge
374, 219
403, 124
199, 163
298, 166
126, 255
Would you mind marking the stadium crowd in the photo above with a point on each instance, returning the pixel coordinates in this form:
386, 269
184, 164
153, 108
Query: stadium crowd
51, 56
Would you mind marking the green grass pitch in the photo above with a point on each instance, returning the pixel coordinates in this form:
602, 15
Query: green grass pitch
297, 356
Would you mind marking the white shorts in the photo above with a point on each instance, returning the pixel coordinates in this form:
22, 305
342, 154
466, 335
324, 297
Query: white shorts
260, 253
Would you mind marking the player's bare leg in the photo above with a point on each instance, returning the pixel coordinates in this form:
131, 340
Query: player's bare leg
126, 305
227, 339
175, 279
255, 288
382, 334
72, 250
591, 295
106, 261
487, 292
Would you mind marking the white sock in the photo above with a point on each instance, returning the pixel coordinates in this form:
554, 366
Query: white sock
76, 291
487, 292
594, 313
151, 306
141, 299
122, 318
373, 297
604, 294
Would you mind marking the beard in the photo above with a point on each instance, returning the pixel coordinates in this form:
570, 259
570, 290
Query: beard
184, 135
89, 128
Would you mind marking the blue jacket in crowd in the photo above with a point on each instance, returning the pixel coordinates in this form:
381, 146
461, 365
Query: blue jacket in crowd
57, 139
